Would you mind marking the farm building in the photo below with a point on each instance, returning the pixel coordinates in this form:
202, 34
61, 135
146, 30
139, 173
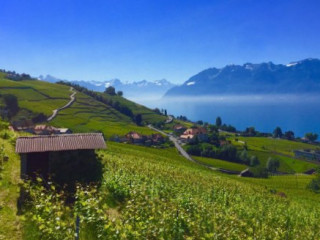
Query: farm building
65, 157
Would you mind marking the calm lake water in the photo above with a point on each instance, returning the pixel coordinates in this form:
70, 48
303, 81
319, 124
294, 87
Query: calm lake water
300, 114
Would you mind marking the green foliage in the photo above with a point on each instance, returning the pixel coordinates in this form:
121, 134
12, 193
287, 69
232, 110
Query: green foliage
11, 103
254, 161
311, 136
259, 172
314, 184
110, 90
47, 213
218, 121
277, 132
272, 164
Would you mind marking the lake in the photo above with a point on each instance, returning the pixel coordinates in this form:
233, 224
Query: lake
300, 114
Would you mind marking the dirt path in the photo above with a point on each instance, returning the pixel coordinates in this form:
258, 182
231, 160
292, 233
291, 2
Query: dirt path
72, 99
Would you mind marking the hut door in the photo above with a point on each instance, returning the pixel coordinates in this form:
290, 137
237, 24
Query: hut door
38, 164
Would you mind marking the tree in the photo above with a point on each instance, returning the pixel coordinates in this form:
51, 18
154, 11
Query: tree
200, 122
165, 112
218, 121
259, 172
272, 164
311, 136
289, 135
254, 161
110, 90
251, 131
120, 93
11, 103
138, 119
244, 157
314, 184
277, 132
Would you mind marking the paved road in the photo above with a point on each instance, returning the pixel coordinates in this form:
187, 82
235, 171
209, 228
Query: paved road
180, 149
72, 99
187, 156
169, 119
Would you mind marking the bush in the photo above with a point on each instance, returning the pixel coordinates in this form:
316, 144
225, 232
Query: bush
259, 172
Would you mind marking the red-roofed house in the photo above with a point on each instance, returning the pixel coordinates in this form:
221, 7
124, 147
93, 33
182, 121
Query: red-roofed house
190, 134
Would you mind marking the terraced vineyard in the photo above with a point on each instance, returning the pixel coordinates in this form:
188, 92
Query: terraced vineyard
85, 114
156, 194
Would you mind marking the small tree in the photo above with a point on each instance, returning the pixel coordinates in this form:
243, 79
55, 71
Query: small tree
244, 157
120, 93
138, 119
289, 135
314, 184
254, 161
110, 90
218, 121
11, 103
311, 136
272, 164
251, 131
277, 132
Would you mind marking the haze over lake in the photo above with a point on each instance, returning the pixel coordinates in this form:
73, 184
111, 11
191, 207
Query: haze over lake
300, 114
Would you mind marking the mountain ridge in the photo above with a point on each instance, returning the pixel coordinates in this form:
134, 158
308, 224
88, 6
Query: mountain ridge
131, 89
296, 77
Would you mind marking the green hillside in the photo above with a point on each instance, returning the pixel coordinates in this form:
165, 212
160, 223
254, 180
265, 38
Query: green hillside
85, 114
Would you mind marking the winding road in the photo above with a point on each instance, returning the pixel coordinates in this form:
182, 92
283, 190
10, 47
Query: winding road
72, 99
187, 156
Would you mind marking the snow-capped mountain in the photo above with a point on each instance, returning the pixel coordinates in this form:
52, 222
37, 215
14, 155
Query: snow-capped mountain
295, 77
131, 90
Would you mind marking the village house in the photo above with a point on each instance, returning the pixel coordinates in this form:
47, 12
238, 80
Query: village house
157, 138
190, 134
70, 155
49, 130
179, 128
136, 138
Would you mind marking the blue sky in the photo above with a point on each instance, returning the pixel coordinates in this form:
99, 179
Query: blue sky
149, 39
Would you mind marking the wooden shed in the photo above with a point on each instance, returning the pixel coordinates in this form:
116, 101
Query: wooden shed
47, 153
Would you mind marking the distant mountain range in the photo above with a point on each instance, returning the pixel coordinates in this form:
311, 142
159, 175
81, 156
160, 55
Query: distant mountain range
265, 78
131, 90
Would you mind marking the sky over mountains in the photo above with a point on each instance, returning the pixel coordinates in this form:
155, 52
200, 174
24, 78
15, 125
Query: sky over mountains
133, 40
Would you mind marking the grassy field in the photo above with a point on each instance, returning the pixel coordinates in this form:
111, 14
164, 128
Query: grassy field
287, 164
217, 163
11, 226
275, 145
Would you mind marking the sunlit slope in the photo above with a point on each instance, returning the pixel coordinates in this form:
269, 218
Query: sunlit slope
87, 114
161, 190
36, 96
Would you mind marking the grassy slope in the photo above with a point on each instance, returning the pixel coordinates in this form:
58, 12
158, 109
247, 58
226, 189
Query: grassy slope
217, 163
147, 114
36, 96
248, 200
264, 148
9, 193
86, 114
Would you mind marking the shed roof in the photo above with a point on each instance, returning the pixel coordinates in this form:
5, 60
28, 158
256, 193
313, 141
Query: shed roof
63, 142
